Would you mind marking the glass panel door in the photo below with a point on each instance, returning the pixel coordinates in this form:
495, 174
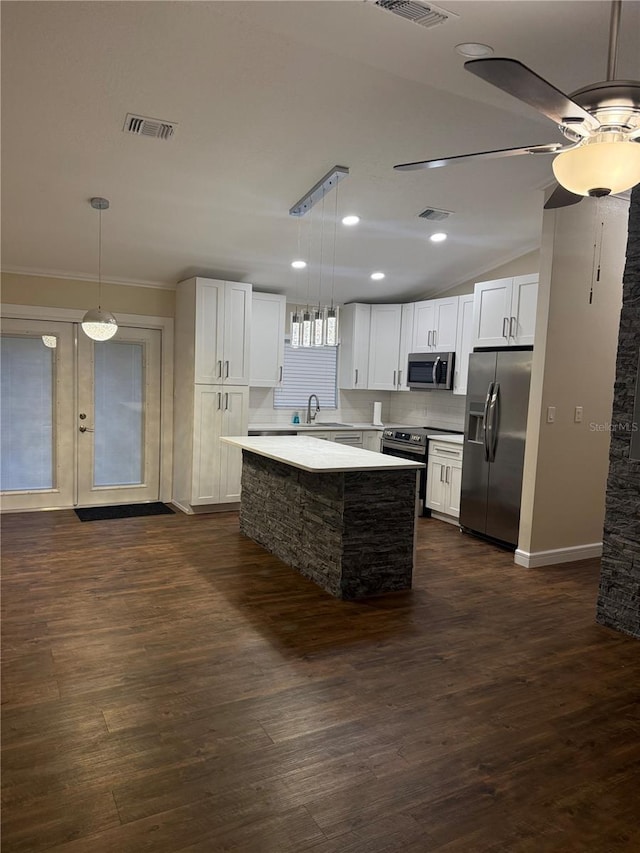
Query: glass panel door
118, 422
36, 414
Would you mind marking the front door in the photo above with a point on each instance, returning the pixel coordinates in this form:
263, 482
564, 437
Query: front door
80, 420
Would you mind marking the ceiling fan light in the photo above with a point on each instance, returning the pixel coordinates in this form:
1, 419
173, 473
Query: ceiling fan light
599, 168
99, 325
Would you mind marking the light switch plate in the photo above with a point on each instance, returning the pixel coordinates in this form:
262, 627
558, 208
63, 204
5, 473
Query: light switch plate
551, 414
577, 415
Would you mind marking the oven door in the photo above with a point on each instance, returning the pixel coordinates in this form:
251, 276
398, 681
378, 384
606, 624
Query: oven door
413, 454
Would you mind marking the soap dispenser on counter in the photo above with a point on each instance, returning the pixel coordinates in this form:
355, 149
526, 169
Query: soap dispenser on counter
296, 418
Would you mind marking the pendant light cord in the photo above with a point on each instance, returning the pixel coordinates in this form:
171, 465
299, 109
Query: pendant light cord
335, 238
99, 259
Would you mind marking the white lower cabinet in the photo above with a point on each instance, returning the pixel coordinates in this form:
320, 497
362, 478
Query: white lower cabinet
217, 467
371, 440
444, 479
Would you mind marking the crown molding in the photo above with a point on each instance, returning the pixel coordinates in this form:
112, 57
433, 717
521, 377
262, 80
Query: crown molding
71, 276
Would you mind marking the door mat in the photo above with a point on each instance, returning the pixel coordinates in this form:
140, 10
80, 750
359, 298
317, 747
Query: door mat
102, 513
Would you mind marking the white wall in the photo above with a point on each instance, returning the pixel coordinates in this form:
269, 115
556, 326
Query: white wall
566, 463
524, 265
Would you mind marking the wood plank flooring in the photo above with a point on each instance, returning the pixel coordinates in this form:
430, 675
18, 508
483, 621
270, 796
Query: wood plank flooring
168, 686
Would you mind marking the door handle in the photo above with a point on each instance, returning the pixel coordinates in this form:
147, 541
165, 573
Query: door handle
435, 370
84, 428
394, 377
226, 373
493, 409
511, 322
485, 433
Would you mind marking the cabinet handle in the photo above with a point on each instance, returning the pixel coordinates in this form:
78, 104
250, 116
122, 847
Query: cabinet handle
220, 369
399, 377
219, 400
505, 327
280, 380
394, 377
429, 337
226, 402
435, 337
446, 476
356, 382
226, 366
511, 322
441, 473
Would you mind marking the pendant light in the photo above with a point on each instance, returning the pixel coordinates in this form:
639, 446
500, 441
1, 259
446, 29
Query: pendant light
97, 324
331, 311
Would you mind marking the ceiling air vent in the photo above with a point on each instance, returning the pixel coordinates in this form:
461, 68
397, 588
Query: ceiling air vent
435, 215
153, 127
425, 14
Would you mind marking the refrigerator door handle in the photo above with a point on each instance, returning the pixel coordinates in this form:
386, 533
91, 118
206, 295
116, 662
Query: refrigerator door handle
493, 417
435, 370
485, 431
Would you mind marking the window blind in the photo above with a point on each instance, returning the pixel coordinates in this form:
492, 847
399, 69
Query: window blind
307, 371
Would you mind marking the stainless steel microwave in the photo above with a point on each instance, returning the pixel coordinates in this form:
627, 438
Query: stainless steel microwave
429, 371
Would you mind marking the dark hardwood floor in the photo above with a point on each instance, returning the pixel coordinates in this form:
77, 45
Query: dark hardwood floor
168, 686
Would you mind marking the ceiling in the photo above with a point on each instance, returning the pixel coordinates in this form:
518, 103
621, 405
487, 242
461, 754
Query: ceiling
268, 96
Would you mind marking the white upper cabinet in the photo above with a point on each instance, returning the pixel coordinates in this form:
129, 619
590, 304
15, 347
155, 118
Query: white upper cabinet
267, 339
464, 343
384, 347
435, 325
216, 317
504, 312
406, 340
353, 353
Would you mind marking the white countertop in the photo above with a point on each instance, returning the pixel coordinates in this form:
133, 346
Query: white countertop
316, 455
449, 439
330, 427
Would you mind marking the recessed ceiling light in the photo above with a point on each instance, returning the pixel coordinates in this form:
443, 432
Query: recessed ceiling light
350, 220
438, 237
377, 276
298, 265
474, 49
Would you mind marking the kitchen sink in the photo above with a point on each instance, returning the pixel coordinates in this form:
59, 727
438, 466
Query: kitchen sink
326, 424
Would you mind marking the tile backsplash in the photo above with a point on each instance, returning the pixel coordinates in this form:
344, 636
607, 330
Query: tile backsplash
413, 408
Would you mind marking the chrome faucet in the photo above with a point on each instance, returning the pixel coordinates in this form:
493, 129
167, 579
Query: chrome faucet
311, 417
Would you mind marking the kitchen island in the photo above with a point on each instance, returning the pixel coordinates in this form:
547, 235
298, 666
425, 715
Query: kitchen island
342, 516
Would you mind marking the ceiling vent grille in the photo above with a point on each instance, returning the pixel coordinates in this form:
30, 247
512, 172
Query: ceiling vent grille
425, 14
433, 214
152, 127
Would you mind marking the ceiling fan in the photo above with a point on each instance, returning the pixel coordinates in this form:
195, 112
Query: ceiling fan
601, 123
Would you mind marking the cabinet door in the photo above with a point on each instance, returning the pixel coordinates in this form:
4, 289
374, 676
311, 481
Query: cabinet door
205, 476
406, 340
445, 324
237, 325
267, 339
464, 343
209, 331
491, 312
524, 302
353, 353
436, 485
454, 476
384, 346
423, 326
371, 440
234, 421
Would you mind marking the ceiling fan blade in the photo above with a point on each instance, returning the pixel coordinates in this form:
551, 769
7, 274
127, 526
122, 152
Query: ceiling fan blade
481, 155
561, 197
516, 79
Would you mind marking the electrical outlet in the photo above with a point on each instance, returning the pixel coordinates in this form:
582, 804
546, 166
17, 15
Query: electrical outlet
577, 415
551, 414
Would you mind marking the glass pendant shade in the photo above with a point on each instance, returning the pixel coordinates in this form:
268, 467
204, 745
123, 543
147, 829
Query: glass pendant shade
50, 341
295, 329
599, 167
99, 325
317, 335
306, 329
331, 327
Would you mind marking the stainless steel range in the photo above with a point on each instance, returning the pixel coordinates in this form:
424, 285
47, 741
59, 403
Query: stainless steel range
413, 443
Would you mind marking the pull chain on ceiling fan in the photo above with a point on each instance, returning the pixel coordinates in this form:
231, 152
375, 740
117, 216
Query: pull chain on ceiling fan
601, 123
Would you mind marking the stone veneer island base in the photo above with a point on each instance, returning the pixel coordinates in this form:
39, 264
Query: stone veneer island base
350, 531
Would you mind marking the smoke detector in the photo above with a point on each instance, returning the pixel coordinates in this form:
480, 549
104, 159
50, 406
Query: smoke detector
155, 128
416, 11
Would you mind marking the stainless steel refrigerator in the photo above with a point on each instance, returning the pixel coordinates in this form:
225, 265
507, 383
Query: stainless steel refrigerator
494, 437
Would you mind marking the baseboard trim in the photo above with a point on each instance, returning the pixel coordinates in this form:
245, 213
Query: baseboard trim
202, 509
535, 559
